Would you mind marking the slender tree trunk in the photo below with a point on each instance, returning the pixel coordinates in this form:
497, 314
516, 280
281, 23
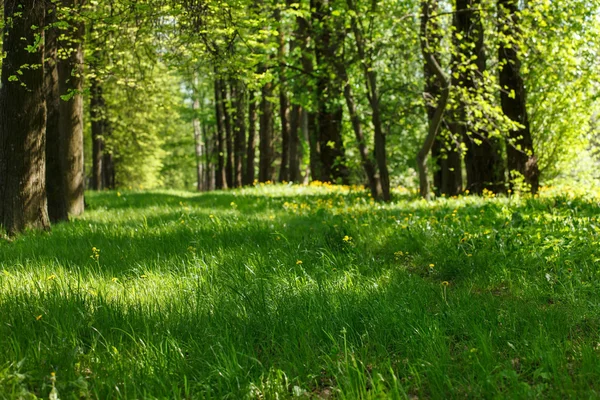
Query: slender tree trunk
519, 144
239, 131
448, 177
70, 74
304, 39
441, 104
266, 135
295, 144
284, 170
367, 164
55, 182
251, 149
23, 201
198, 139
98, 122
228, 133
221, 177
374, 101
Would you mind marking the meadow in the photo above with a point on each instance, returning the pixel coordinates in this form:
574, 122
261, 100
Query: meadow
305, 292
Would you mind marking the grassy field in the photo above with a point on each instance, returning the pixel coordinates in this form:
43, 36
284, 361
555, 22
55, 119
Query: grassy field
308, 292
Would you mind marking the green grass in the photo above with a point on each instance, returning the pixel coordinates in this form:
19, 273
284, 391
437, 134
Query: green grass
279, 292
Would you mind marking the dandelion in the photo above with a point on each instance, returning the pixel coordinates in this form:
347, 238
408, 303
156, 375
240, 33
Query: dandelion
431, 266
298, 262
347, 239
115, 279
95, 254
445, 283
38, 317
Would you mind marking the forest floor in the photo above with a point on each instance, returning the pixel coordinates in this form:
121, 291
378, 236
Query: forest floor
308, 292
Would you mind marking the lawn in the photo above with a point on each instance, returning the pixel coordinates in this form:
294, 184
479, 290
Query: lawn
309, 292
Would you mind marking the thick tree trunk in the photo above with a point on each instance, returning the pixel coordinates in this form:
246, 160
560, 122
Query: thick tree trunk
23, 202
265, 172
239, 132
519, 144
329, 110
55, 182
70, 74
484, 163
221, 177
251, 149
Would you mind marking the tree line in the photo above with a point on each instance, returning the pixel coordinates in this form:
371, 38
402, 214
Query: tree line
226, 93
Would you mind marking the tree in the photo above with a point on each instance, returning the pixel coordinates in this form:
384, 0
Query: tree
519, 144
23, 201
70, 81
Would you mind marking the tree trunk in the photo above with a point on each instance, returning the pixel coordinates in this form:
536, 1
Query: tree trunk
70, 74
239, 131
284, 169
97, 113
373, 97
367, 164
266, 135
221, 177
329, 112
198, 140
251, 149
295, 144
484, 163
23, 201
228, 134
55, 182
437, 117
310, 116
519, 144
448, 176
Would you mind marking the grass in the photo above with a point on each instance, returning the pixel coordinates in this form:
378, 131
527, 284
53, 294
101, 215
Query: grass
308, 292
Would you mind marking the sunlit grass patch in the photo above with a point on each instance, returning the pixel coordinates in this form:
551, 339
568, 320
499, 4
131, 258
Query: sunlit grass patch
297, 291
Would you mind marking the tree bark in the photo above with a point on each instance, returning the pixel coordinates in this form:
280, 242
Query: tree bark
266, 135
483, 161
440, 107
251, 147
329, 112
70, 74
55, 182
221, 177
199, 143
225, 101
284, 169
239, 131
519, 144
295, 144
98, 122
23, 201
